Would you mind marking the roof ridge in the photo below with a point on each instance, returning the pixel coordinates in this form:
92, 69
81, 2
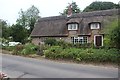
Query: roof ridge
82, 14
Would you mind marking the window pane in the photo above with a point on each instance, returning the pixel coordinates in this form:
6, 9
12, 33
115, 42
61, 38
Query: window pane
72, 26
98, 25
95, 26
81, 40
68, 26
76, 26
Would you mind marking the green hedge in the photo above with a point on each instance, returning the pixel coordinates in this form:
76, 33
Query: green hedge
85, 55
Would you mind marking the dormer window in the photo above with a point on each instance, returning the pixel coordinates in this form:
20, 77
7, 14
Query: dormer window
73, 26
95, 25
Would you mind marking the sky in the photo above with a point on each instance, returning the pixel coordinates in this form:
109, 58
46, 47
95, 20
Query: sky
9, 8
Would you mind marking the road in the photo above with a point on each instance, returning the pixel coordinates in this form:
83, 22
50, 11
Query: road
21, 67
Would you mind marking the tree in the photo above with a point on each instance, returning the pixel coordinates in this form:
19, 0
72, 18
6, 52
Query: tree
4, 29
32, 15
98, 5
19, 33
115, 36
22, 20
75, 9
112, 39
28, 18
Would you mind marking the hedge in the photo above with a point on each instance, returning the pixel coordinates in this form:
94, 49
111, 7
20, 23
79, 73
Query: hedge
86, 55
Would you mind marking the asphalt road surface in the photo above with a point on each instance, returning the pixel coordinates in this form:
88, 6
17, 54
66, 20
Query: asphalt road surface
21, 67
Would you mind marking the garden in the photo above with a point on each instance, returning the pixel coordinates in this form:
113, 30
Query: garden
60, 50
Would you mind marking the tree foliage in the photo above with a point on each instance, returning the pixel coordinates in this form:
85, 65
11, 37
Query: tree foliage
98, 5
75, 9
28, 18
22, 20
112, 39
19, 33
24, 24
4, 29
115, 37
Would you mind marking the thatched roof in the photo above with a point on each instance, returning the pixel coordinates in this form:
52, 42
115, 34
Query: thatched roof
74, 20
50, 28
57, 25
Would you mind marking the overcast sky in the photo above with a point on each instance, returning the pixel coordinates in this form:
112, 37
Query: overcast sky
9, 8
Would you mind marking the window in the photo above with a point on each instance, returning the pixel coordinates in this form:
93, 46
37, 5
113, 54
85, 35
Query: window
81, 40
95, 25
72, 26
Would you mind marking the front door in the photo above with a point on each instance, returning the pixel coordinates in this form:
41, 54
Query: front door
98, 40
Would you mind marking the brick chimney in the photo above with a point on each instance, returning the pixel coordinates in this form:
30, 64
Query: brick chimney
69, 13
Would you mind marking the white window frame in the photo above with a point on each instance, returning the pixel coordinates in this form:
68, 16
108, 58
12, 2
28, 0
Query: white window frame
95, 40
79, 38
73, 26
95, 26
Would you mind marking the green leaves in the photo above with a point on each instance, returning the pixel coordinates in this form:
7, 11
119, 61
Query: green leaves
24, 25
29, 49
112, 39
50, 41
115, 37
28, 18
85, 55
4, 29
98, 5
19, 33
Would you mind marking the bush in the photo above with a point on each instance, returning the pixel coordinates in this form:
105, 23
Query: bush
53, 52
115, 37
29, 48
25, 49
85, 55
107, 43
113, 34
87, 45
18, 49
50, 41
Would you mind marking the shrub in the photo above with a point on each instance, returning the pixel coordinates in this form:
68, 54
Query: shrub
115, 37
85, 55
107, 42
64, 44
8, 48
113, 31
29, 48
50, 41
87, 45
18, 49
53, 52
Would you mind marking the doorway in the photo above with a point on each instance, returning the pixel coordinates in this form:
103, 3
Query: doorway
98, 40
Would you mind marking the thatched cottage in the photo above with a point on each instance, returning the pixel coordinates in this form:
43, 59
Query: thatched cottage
84, 27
